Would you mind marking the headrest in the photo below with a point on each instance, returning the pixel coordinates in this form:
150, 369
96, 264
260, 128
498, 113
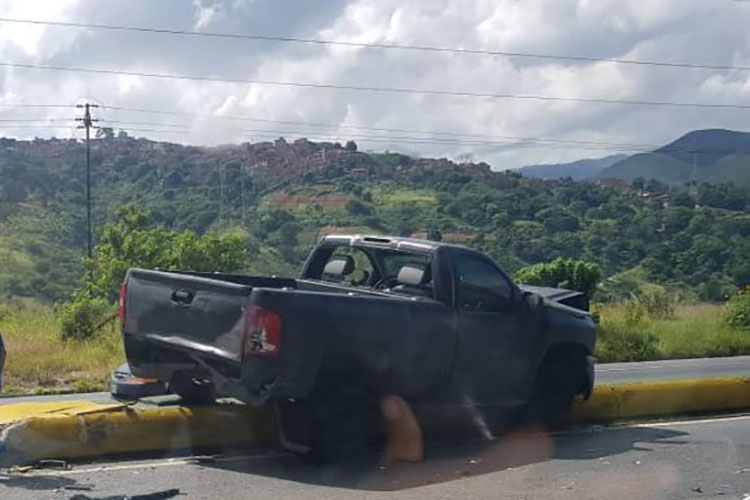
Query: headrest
411, 275
339, 265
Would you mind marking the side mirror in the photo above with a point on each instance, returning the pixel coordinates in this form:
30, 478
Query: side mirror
532, 301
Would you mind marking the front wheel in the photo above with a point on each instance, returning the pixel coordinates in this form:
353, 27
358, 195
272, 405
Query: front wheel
559, 380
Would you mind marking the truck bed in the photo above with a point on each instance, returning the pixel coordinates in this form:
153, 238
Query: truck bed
179, 321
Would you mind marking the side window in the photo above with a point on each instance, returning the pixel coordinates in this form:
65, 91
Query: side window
480, 286
349, 266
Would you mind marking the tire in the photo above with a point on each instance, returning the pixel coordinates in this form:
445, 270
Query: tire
192, 390
558, 381
344, 423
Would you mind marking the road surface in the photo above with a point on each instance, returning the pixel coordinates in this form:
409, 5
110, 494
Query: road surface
701, 459
675, 369
605, 373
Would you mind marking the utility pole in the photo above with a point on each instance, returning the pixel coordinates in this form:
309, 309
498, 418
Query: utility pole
88, 124
243, 174
221, 193
694, 176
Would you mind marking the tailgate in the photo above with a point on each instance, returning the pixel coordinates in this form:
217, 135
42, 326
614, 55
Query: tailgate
189, 312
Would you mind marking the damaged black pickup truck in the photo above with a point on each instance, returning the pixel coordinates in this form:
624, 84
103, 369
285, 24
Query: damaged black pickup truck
440, 325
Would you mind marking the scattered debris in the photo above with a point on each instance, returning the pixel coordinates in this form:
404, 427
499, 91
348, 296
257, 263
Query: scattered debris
159, 495
77, 487
51, 464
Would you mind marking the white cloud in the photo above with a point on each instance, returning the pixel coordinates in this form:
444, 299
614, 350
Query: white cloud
674, 30
27, 38
204, 14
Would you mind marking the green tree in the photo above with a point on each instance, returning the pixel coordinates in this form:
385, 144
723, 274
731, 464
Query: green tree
356, 207
105, 133
132, 241
434, 235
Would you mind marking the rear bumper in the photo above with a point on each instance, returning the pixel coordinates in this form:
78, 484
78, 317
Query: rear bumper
253, 384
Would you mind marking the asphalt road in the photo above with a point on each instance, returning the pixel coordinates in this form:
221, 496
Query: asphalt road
605, 373
673, 369
701, 459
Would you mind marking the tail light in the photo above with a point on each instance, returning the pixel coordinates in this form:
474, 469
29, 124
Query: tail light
123, 303
262, 333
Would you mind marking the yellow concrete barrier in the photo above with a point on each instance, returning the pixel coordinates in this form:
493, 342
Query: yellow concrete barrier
667, 397
15, 412
78, 429
81, 430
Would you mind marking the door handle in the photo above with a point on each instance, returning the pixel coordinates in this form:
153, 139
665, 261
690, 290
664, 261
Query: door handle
183, 297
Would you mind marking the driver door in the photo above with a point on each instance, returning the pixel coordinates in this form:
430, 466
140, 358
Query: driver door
496, 342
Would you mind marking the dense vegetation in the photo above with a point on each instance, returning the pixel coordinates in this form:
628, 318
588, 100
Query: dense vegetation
276, 199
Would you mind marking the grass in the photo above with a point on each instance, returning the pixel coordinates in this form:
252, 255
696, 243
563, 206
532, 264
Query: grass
693, 331
395, 196
38, 362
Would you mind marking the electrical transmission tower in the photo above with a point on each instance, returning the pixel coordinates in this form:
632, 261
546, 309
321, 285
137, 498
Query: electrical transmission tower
88, 124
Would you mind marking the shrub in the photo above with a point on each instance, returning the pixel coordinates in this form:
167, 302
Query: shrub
564, 273
657, 304
633, 312
84, 318
737, 310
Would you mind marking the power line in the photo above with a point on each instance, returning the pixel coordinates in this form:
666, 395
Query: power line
391, 90
403, 139
385, 46
600, 146
360, 127
42, 106
452, 137
152, 130
157, 124
512, 141
34, 120
3, 127
378, 139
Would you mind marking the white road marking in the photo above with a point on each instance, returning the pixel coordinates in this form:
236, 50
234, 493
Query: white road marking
169, 462
707, 420
666, 364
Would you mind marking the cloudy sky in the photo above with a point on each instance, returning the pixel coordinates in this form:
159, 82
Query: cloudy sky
704, 32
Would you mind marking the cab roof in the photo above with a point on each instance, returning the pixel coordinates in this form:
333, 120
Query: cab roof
394, 242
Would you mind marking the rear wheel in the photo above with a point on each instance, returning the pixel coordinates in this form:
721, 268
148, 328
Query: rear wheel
559, 380
192, 390
335, 423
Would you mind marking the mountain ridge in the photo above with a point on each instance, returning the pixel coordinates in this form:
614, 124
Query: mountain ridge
707, 155
577, 170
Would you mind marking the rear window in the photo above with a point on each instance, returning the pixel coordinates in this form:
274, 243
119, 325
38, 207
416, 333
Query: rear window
392, 262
